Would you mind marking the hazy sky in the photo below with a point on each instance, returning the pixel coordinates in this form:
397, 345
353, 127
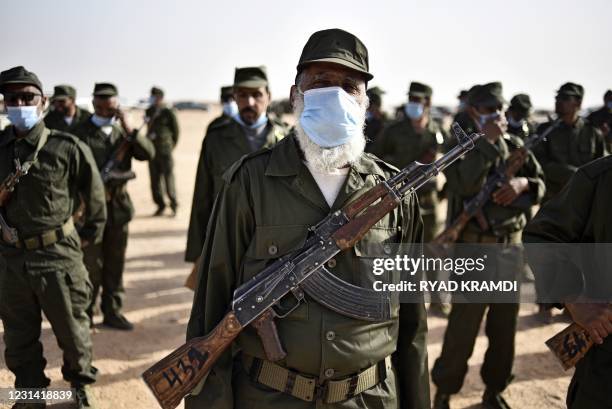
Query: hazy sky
190, 47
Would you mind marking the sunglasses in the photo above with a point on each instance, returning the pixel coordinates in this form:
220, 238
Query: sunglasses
12, 98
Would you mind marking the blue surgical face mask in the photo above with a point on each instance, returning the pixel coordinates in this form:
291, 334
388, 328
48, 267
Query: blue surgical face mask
514, 123
414, 110
484, 118
230, 108
100, 121
152, 100
609, 104
261, 121
23, 118
331, 117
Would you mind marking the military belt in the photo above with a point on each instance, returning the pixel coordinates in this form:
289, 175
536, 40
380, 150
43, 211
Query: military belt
46, 238
308, 388
508, 238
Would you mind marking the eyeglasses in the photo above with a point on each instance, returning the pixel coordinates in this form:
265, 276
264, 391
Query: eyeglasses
13, 98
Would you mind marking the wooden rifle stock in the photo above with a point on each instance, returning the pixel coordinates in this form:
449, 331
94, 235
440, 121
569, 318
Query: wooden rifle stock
570, 345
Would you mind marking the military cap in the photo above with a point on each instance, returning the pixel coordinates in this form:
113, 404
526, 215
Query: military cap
157, 91
105, 89
227, 92
418, 89
571, 89
462, 94
19, 75
63, 91
251, 77
489, 94
375, 95
471, 93
608, 95
521, 103
338, 47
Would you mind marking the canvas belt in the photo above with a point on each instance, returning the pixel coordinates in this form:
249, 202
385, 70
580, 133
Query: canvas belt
46, 238
308, 388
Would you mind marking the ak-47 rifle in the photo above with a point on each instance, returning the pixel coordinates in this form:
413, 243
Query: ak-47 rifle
256, 302
9, 234
503, 173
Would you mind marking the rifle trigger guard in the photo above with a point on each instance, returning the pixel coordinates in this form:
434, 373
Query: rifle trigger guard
281, 312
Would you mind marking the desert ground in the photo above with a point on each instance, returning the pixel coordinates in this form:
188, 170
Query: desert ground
159, 306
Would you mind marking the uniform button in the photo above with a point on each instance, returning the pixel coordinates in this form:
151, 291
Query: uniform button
330, 335
331, 263
387, 249
272, 250
329, 372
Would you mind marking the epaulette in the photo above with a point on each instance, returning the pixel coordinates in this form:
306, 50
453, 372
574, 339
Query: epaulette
230, 173
220, 124
64, 135
594, 169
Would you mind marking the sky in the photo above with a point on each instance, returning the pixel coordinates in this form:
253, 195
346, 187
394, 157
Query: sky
191, 47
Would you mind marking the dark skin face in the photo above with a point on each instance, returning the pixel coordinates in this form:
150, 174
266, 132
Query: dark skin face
252, 102
13, 97
64, 106
157, 100
567, 107
324, 75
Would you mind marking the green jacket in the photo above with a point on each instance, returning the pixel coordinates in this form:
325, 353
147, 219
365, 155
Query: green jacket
45, 198
119, 205
163, 129
268, 202
223, 145
467, 176
400, 145
55, 120
565, 149
580, 213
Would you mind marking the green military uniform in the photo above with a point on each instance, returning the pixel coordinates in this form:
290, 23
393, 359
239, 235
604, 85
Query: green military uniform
375, 117
105, 261
44, 269
568, 147
264, 210
464, 180
56, 120
163, 130
520, 104
224, 143
580, 214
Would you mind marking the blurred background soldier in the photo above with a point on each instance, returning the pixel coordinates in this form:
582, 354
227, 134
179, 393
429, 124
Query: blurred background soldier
417, 138
227, 141
110, 141
41, 269
517, 116
375, 117
602, 118
65, 115
228, 104
462, 98
501, 224
573, 143
163, 130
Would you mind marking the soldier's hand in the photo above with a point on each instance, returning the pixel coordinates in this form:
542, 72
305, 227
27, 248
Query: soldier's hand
84, 243
595, 318
510, 190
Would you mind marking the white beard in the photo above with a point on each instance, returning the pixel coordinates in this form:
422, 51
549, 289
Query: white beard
326, 160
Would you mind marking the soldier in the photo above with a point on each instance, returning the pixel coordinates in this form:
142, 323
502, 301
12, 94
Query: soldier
229, 106
66, 115
574, 143
268, 201
602, 118
375, 117
225, 142
505, 222
462, 98
417, 138
517, 116
42, 269
579, 214
163, 130
109, 141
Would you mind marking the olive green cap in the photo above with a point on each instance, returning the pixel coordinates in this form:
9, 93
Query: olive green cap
375, 95
521, 103
158, 92
418, 89
462, 94
608, 95
338, 47
488, 95
571, 89
63, 91
105, 89
227, 92
251, 77
19, 75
